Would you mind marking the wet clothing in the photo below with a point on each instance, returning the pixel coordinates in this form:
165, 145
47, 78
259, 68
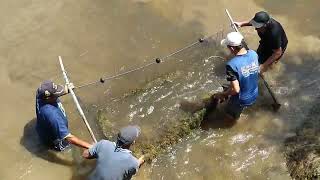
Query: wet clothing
245, 69
233, 107
52, 124
112, 163
274, 38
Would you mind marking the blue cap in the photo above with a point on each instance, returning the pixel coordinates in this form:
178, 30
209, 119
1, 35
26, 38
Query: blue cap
49, 89
129, 134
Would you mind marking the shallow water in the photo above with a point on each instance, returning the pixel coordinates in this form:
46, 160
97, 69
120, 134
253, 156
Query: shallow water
106, 37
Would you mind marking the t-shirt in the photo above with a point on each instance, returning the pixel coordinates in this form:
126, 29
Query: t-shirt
245, 69
274, 38
52, 124
112, 163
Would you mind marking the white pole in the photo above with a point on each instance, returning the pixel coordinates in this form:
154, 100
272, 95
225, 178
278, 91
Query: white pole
76, 100
232, 22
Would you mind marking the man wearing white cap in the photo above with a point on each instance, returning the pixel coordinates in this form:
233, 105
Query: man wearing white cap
242, 73
273, 41
52, 122
114, 159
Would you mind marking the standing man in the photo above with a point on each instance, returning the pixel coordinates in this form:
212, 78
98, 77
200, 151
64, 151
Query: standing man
242, 73
52, 122
114, 159
273, 41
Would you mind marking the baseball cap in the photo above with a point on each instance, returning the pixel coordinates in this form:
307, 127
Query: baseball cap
232, 39
260, 19
129, 134
50, 89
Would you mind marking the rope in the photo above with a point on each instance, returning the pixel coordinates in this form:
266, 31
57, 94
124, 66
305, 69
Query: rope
157, 60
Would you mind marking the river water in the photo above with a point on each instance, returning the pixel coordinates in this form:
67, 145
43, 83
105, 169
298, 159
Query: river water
98, 38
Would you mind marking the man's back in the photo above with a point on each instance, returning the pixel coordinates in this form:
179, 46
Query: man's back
246, 69
52, 124
112, 163
274, 37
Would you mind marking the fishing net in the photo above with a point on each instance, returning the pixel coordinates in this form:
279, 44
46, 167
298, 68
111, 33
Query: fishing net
153, 102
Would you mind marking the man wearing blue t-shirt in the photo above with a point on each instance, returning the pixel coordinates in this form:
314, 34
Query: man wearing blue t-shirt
242, 73
52, 123
114, 159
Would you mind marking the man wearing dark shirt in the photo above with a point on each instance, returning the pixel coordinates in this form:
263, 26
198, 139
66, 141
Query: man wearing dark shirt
242, 73
273, 39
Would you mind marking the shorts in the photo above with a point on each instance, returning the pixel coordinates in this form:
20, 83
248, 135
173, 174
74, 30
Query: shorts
234, 108
265, 54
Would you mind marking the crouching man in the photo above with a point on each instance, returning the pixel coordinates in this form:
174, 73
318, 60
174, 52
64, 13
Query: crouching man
114, 159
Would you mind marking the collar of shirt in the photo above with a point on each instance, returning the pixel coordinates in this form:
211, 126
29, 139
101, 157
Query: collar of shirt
119, 149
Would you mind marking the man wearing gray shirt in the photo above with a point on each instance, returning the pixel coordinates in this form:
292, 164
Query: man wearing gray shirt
114, 159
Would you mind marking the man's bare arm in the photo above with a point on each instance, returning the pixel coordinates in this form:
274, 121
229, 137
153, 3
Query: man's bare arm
78, 142
274, 57
233, 89
141, 160
243, 23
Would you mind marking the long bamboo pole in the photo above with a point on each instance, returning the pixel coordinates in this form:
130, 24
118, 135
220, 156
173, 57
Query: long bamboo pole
76, 100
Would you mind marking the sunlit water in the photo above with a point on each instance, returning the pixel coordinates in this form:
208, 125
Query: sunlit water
106, 37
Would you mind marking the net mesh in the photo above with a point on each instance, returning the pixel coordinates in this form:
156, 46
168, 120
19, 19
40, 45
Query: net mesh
151, 97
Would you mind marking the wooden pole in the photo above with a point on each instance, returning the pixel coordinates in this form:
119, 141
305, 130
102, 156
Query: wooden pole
76, 100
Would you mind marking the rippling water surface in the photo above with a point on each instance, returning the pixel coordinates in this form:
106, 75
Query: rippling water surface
97, 38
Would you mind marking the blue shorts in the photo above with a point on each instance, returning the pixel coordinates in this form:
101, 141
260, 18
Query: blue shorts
234, 108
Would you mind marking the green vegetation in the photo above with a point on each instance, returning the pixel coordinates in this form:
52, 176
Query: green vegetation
303, 150
170, 134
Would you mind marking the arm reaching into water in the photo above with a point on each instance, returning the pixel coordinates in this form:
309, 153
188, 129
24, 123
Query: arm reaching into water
233, 89
78, 142
141, 161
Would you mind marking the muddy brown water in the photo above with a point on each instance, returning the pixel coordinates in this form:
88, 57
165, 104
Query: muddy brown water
98, 38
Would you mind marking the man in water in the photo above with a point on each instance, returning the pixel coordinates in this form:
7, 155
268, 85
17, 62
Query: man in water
242, 73
273, 41
114, 159
52, 122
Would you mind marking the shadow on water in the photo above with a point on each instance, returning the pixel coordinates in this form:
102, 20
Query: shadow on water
31, 142
213, 119
71, 158
217, 120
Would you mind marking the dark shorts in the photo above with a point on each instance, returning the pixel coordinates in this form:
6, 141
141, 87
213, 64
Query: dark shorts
233, 107
264, 54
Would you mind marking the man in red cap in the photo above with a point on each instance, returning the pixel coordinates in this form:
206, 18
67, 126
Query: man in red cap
273, 41
52, 122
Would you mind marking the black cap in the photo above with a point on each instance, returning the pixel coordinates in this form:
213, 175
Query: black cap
129, 134
49, 89
260, 19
